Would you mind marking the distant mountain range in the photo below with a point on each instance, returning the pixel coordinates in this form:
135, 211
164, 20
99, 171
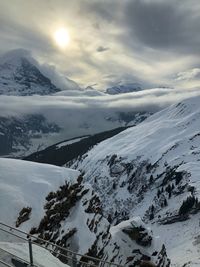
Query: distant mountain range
23, 80
124, 88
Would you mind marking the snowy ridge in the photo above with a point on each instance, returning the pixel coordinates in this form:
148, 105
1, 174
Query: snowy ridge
148, 171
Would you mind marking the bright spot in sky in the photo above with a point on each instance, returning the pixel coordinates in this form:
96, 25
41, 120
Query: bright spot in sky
62, 38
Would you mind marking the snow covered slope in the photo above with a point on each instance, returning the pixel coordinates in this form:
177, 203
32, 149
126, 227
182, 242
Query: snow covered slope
25, 184
54, 203
152, 171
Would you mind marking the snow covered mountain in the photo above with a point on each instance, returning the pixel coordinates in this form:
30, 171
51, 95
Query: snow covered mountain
53, 203
152, 171
19, 76
123, 88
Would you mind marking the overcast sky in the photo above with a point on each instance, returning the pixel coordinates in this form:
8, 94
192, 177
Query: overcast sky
153, 42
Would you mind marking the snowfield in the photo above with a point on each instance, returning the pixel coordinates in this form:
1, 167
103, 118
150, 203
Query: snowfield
26, 184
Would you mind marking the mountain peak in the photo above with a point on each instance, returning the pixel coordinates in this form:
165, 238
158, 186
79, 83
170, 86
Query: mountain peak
14, 56
122, 88
19, 75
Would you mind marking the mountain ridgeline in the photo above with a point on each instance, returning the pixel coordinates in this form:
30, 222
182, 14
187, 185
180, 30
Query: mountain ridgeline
152, 171
21, 77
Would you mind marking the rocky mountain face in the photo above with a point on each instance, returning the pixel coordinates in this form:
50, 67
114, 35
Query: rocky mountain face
19, 76
18, 134
152, 171
124, 88
69, 213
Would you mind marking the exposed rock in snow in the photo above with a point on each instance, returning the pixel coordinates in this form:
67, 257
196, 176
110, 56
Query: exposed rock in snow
124, 88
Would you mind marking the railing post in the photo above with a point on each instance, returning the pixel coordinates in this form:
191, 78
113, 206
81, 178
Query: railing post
30, 251
74, 263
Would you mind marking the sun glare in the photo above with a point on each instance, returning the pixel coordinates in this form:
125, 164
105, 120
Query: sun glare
62, 38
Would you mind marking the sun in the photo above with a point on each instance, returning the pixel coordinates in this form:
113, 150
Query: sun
62, 38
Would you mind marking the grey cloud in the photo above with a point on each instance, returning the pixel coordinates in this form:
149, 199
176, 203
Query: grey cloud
23, 36
130, 27
150, 99
105, 10
164, 24
191, 74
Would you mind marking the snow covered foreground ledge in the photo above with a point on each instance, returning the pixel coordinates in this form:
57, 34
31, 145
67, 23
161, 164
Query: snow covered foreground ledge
66, 211
25, 184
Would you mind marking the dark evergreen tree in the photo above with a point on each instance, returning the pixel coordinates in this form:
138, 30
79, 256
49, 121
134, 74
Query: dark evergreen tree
168, 189
178, 177
196, 202
152, 208
151, 217
165, 202
187, 205
151, 179
114, 185
158, 193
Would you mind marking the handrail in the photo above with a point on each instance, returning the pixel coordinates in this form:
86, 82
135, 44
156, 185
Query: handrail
3, 230
6, 264
8, 252
29, 236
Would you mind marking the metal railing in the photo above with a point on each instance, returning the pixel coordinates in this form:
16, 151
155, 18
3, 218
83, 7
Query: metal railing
70, 257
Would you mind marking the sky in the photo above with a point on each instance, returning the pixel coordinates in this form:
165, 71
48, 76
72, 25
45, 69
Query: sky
153, 42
